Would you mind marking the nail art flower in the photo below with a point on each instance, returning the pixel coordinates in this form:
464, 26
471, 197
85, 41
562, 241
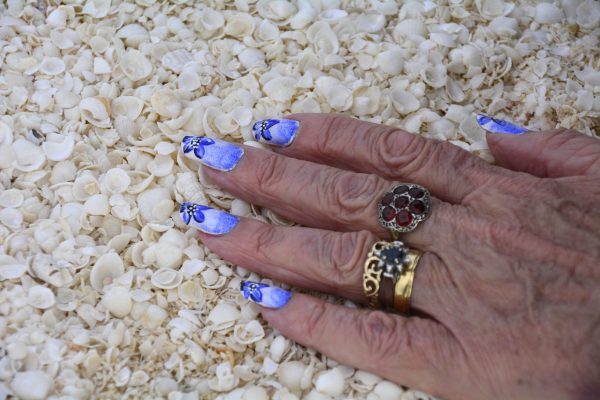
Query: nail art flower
191, 210
252, 290
197, 144
261, 128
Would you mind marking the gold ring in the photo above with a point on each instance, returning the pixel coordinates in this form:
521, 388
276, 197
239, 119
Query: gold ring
404, 283
384, 265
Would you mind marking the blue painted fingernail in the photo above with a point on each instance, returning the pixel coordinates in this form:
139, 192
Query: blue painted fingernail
278, 132
265, 295
208, 220
494, 125
213, 153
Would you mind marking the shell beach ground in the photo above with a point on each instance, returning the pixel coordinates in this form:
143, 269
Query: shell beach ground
104, 291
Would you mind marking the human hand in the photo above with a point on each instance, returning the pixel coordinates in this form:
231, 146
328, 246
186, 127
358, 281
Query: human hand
508, 287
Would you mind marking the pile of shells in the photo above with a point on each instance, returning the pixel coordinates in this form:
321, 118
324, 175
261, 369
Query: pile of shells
104, 292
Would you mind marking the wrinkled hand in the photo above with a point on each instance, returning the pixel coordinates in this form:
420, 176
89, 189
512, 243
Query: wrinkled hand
509, 278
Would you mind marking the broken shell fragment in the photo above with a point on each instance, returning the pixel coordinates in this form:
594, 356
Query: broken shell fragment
166, 278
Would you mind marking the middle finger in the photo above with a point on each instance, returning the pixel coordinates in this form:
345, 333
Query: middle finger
319, 196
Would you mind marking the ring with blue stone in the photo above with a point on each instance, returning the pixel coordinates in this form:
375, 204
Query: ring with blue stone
385, 263
404, 207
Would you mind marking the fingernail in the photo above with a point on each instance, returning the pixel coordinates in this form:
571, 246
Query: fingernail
494, 125
278, 132
265, 295
213, 153
208, 220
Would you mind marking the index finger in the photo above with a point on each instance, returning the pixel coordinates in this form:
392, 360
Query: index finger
448, 171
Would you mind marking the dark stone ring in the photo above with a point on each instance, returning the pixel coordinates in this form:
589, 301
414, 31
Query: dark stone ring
402, 208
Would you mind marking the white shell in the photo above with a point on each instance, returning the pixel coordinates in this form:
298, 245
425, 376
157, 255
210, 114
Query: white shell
97, 204
58, 147
127, 106
404, 102
166, 278
96, 111
10, 268
106, 269
547, 13
85, 186
330, 382
28, 156
165, 103
223, 314
52, 66
135, 65
279, 346
115, 181
239, 25
96, 8
290, 374
11, 198
388, 390
32, 385
6, 134
117, 301
190, 292
588, 14
250, 332
40, 297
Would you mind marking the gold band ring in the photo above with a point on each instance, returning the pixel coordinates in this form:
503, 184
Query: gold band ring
404, 283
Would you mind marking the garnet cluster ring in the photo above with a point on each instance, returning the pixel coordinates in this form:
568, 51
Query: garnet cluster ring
402, 208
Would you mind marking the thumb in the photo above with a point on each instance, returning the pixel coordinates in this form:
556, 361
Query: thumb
553, 154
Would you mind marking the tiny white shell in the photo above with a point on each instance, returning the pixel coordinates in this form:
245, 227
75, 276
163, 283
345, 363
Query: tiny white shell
190, 292
404, 102
52, 66
97, 205
107, 268
290, 374
388, 390
330, 382
115, 181
239, 25
96, 8
28, 156
166, 278
127, 106
166, 103
223, 314
58, 147
547, 13
250, 332
153, 317
10, 268
135, 65
278, 347
95, 110
101, 66
12, 198
40, 297
32, 385
117, 301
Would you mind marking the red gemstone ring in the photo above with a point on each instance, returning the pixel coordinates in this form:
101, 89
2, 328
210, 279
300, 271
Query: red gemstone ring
402, 208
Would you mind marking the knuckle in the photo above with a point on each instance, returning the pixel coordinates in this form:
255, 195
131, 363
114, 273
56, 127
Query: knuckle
264, 239
316, 322
343, 254
325, 145
385, 334
352, 193
269, 172
412, 156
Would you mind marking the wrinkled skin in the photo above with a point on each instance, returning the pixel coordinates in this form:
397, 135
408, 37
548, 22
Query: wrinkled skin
506, 297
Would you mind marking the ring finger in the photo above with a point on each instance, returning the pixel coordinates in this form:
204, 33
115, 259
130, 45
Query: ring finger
317, 259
